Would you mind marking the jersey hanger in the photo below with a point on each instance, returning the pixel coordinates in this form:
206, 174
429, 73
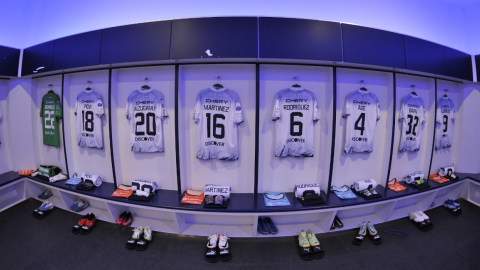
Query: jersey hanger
296, 85
446, 90
217, 85
363, 88
50, 91
88, 88
413, 90
145, 87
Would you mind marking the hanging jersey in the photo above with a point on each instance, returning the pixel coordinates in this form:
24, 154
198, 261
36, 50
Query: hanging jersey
217, 113
412, 118
445, 117
362, 111
89, 111
295, 113
145, 112
51, 112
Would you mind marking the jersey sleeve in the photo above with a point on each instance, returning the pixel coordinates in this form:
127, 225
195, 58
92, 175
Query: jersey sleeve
99, 109
276, 108
347, 108
402, 111
424, 118
1, 115
439, 112
378, 108
128, 108
58, 107
42, 106
452, 111
76, 106
316, 117
197, 109
238, 111
161, 110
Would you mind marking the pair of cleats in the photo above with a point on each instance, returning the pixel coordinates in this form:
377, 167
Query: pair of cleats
85, 225
58, 177
337, 223
309, 247
367, 228
125, 220
421, 220
27, 172
44, 209
266, 226
453, 207
218, 248
79, 205
47, 193
140, 239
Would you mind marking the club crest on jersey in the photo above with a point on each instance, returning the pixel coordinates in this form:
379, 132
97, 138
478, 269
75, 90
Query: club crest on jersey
100, 105
58, 106
239, 108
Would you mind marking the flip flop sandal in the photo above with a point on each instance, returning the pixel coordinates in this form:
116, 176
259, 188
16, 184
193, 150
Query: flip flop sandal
318, 252
421, 225
361, 234
43, 213
131, 244
270, 225
35, 212
225, 254
211, 255
305, 253
141, 245
262, 227
87, 229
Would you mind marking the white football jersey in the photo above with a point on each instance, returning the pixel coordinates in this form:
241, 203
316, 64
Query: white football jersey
295, 113
145, 112
89, 112
412, 118
217, 113
445, 117
362, 111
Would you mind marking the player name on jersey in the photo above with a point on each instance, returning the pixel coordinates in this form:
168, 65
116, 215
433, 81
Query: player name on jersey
217, 113
295, 113
362, 111
412, 118
89, 111
145, 112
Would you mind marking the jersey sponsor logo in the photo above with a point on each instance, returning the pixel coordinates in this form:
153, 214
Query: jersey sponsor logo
144, 102
295, 140
216, 108
359, 139
214, 143
49, 102
144, 139
296, 100
361, 102
87, 101
413, 105
296, 107
216, 101
49, 132
411, 138
444, 106
88, 135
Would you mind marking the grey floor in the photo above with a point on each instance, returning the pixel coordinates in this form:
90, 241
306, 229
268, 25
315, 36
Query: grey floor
28, 243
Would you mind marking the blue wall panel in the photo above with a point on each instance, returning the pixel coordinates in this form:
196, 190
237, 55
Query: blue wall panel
426, 56
38, 58
459, 64
77, 51
9, 59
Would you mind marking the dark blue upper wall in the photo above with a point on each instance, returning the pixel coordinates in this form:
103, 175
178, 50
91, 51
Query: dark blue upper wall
371, 46
9, 60
245, 37
232, 37
300, 39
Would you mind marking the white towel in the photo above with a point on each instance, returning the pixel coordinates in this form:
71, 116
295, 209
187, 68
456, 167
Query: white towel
364, 184
214, 190
95, 179
411, 177
300, 188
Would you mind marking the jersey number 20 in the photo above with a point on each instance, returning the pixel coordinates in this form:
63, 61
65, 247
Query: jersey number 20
151, 127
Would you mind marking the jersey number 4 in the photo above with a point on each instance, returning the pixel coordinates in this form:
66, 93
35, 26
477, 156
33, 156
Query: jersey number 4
411, 128
360, 123
216, 126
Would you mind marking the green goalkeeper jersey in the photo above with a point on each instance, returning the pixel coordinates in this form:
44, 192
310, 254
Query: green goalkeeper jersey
51, 112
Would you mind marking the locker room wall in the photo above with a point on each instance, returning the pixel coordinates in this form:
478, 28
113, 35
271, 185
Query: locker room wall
468, 157
408, 162
5, 154
19, 113
158, 167
281, 174
196, 173
348, 168
446, 156
44, 154
85, 159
